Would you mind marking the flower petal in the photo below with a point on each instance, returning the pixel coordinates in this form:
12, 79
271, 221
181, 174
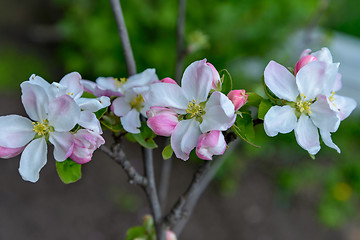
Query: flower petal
209, 144
280, 81
144, 78
10, 152
323, 116
167, 95
197, 81
326, 137
120, 106
15, 131
307, 135
89, 120
93, 104
37, 80
72, 81
184, 138
63, 145
344, 105
33, 159
219, 113
279, 120
323, 55
131, 121
35, 101
64, 113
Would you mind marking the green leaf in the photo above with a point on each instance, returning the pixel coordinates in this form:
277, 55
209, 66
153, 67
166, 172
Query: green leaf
136, 232
100, 112
244, 128
264, 107
226, 81
88, 95
68, 171
145, 138
167, 152
111, 122
253, 99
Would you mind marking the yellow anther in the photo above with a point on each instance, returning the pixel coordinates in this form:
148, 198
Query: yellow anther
137, 102
70, 94
41, 128
303, 106
194, 109
331, 98
118, 83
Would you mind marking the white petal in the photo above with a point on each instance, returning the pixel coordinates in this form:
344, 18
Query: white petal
64, 113
88, 120
93, 104
63, 145
280, 81
33, 159
338, 83
344, 105
72, 81
144, 78
35, 101
219, 113
323, 55
326, 137
120, 106
131, 121
323, 116
89, 86
184, 138
15, 131
197, 81
167, 95
307, 135
279, 120
37, 80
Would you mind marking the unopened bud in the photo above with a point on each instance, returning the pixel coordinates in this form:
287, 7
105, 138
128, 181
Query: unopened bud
302, 62
216, 83
170, 235
162, 120
238, 98
168, 80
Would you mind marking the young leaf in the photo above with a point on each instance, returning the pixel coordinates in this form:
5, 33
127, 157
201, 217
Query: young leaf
111, 122
145, 138
264, 107
101, 112
68, 171
137, 232
253, 99
244, 128
226, 81
167, 152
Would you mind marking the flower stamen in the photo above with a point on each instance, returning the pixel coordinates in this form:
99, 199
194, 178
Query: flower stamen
137, 102
41, 129
194, 109
304, 106
118, 83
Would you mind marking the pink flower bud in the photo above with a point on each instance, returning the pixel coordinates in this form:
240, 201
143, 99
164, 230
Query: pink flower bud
170, 235
10, 152
85, 143
302, 62
209, 144
168, 80
162, 120
216, 83
238, 98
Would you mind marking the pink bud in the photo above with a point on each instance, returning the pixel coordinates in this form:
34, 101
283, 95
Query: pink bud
168, 80
10, 152
162, 120
238, 98
85, 143
216, 83
209, 144
302, 62
170, 235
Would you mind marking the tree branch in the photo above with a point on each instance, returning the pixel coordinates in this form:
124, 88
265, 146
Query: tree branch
180, 39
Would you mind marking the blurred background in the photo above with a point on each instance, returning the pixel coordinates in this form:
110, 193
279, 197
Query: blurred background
275, 192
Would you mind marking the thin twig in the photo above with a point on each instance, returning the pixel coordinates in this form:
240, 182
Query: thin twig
117, 154
124, 37
164, 181
180, 39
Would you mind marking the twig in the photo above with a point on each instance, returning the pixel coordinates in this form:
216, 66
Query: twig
124, 37
164, 181
180, 39
118, 155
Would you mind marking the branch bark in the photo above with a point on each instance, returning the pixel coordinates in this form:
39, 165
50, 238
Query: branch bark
180, 40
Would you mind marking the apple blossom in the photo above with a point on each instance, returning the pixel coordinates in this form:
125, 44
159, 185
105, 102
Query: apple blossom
209, 144
197, 113
162, 120
238, 98
216, 82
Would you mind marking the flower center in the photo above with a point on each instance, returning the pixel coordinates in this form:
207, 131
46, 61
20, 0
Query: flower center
194, 109
331, 98
137, 102
42, 128
118, 83
302, 105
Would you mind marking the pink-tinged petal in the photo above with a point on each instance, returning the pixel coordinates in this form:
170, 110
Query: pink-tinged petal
89, 120
170, 235
279, 119
307, 135
107, 86
168, 80
323, 55
37, 80
72, 81
89, 86
302, 62
33, 159
131, 121
238, 98
305, 52
185, 137
15, 131
63, 145
326, 137
162, 120
209, 144
168, 95
343, 105
338, 83
219, 113
323, 116
35, 101
64, 113
316, 78
280, 81
10, 152
120, 106
216, 83
93, 104
197, 81
141, 79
